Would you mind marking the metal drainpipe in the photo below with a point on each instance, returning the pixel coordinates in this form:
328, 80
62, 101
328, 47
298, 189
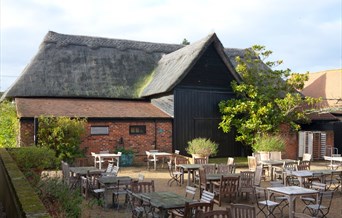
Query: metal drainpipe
155, 134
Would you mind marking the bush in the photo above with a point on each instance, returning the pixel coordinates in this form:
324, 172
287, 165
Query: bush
63, 135
69, 202
9, 125
34, 158
269, 143
202, 146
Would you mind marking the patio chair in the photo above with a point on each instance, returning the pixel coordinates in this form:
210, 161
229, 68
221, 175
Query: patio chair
214, 214
322, 207
176, 176
84, 187
259, 175
246, 183
334, 180
223, 169
137, 209
230, 161
316, 177
242, 211
192, 208
278, 172
68, 179
303, 165
146, 187
265, 206
275, 155
209, 168
150, 158
226, 187
149, 210
252, 163
281, 199
200, 160
189, 192
204, 185
93, 184
207, 196
311, 199
120, 189
307, 157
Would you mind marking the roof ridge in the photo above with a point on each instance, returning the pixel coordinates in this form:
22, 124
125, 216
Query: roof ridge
63, 40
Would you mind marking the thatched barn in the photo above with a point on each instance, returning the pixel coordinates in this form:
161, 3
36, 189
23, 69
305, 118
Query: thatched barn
138, 94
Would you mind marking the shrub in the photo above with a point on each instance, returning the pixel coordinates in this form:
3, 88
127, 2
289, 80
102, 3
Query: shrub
269, 143
69, 202
34, 158
202, 146
9, 125
63, 135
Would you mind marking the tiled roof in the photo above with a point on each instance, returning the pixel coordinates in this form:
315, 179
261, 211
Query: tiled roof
322, 116
90, 108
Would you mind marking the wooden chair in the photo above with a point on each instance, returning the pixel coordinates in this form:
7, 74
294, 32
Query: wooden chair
311, 199
230, 161
137, 209
252, 163
190, 192
275, 155
200, 160
214, 214
192, 209
146, 187
223, 169
227, 187
204, 185
209, 168
258, 175
246, 183
120, 189
84, 187
176, 176
207, 196
242, 211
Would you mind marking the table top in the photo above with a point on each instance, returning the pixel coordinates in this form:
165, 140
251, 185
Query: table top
83, 170
307, 173
277, 162
333, 158
217, 176
112, 179
165, 200
159, 153
106, 155
190, 166
292, 190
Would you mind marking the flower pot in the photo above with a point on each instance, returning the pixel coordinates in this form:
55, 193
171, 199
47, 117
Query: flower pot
126, 159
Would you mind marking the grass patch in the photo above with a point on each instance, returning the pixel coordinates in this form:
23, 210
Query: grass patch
223, 160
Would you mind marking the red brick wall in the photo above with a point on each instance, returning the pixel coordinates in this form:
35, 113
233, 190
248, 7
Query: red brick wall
158, 136
291, 149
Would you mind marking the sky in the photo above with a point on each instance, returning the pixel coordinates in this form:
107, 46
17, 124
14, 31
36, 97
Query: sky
305, 34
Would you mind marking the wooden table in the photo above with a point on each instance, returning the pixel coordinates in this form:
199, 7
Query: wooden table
100, 157
165, 201
271, 163
190, 168
107, 182
302, 174
81, 171
291, 192
156, 154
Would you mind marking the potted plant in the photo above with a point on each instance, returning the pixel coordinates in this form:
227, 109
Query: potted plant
127, 156
269, 143
202, 147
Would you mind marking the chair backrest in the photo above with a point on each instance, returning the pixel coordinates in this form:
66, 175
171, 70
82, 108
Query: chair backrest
264, 156
176, 151
242, 211
275, 155
231, 168
291, 166
192, 208
92, 177
202, 179
207, 196
181, 160
65, 171
209, 168
303, 165
258, 175
260, 194
190, 192
84, 187
229, 185
307, 157
214, 214
252, 163
141, 177
223, 169
318, 186
115, 170
146, 187
109, 167
230, 161
246, 179
200, 160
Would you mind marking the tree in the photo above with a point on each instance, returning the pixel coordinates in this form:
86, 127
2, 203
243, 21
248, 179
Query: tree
185, 42
9, 124
266, 98
63, 135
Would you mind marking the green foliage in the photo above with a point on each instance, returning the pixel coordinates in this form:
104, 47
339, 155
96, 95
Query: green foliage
202, 146
269, 142
124, 150
33, 157
62, 134
9, 125
265, 99
70, 201
185, 42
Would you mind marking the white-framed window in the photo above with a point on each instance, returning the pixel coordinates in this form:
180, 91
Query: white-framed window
137, 129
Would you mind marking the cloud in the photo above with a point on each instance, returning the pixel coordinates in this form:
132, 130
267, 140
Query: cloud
305, 34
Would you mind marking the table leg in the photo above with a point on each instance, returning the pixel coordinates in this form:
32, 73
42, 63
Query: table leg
155, 162
100, 163
292, 206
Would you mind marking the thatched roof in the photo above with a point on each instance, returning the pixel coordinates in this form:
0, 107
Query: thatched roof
173, 67
91, 67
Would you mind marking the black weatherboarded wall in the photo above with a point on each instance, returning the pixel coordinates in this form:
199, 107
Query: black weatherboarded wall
196, 98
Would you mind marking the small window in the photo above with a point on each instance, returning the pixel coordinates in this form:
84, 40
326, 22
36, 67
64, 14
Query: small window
137, 130
99, 130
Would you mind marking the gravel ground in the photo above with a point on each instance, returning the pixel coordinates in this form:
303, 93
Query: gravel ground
161, 176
